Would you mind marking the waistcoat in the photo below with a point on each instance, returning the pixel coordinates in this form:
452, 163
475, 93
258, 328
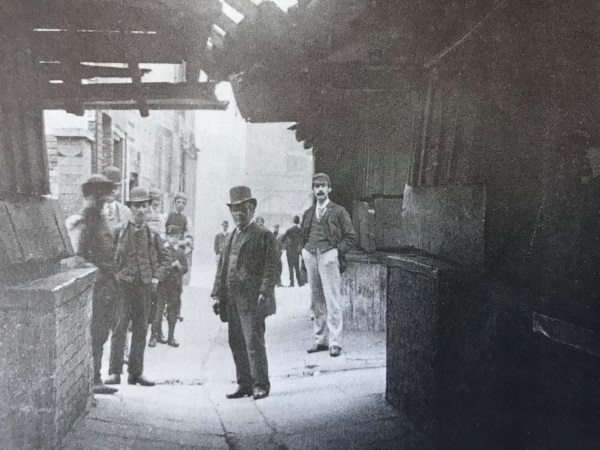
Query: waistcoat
317, 239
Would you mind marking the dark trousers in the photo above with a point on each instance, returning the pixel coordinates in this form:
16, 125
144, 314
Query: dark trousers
135, 307
104, 301
293, 259
169, 295
247, 343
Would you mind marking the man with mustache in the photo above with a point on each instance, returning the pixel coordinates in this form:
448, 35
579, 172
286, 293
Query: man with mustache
327, 234
141, 261
243, 294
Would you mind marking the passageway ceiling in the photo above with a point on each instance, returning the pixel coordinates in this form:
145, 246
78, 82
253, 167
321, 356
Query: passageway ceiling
323, 56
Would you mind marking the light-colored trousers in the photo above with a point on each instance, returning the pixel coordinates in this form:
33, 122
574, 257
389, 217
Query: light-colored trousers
323, 270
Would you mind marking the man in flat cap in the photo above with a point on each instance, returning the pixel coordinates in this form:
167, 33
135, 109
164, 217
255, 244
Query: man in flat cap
327, 234
184, 223
243, 294
141, 262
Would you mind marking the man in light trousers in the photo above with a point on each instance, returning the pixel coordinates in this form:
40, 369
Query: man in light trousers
327, 234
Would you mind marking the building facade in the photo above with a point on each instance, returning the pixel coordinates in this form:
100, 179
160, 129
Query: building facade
158, 151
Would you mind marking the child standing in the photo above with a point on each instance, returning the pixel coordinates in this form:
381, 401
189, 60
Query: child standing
169, 290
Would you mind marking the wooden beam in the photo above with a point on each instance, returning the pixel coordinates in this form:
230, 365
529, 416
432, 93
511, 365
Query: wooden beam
225, 23
126, 95
117, 15
245, 7
56, 71
108, 47
217, 39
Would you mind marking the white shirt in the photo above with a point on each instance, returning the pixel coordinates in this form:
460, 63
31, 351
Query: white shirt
321, 209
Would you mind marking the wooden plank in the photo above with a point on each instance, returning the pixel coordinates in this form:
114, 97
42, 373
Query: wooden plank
108, 47
125, 96
57, 71
225, 23
245, 7
116, 16
217, 39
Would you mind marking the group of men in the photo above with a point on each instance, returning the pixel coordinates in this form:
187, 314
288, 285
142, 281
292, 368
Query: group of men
141, 258
249, 269
140, 265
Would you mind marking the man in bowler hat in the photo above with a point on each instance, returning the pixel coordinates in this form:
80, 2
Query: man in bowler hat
141, 262
243, 294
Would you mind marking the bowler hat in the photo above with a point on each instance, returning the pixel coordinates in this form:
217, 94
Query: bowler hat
154, 193
241, 194
322, 177
138, 194
112, 173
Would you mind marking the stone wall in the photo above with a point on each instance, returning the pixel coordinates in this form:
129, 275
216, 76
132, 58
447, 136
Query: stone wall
45, 356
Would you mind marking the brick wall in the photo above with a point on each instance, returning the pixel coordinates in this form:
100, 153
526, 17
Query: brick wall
45, 352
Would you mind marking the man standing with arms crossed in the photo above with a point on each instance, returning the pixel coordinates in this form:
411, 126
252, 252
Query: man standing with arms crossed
327, 234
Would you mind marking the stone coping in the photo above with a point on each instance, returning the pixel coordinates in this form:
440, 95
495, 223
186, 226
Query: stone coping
61, 287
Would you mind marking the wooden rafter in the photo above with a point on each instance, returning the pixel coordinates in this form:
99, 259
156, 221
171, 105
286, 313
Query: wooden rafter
245, 7
107, 47
125, 96
57, 71
225, 23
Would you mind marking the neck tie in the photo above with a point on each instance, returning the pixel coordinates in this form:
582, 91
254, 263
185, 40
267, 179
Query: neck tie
320, 212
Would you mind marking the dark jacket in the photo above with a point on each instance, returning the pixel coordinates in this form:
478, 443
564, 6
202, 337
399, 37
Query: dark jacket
160, 259
220, 242
96, 241
292, 239
175, 274
257, 269
340, 231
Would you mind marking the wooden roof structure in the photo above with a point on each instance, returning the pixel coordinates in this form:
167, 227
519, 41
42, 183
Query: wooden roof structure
322, 55
90, 51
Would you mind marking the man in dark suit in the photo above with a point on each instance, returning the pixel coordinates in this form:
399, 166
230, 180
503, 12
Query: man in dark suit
327, 234
291, 242
243, 294
141, 262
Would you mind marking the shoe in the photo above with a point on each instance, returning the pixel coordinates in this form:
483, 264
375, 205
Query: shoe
317, 348
241, 392
152, 342
141, 380
101, 388
259, 392
161, 339
180, 318
173, 343
113, 379
335, 350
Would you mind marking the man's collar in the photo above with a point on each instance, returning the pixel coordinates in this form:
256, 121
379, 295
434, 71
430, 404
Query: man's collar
324, 205
135, 226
